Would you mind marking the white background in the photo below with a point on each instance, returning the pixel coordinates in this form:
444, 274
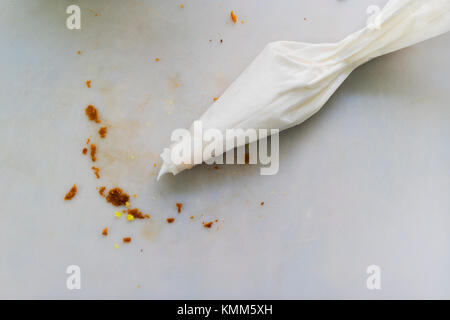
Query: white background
365, 181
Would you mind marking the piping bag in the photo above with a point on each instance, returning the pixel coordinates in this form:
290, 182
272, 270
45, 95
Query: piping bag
290, 81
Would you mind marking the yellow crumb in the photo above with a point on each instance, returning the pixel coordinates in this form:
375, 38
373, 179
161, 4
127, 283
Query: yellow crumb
215, 99
118, 214
116, 246
181, 6
130, 217
127, 204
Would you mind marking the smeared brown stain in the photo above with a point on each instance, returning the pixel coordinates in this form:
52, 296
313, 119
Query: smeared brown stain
117, 197
170, 220
208, 224
179, 206
101, 191
138, 214
102, 132
72, 192
92, 113
126, 240
93, 152
96, 172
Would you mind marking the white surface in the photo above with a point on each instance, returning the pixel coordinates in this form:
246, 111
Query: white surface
371, 184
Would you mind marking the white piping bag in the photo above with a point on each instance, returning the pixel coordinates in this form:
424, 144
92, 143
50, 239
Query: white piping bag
289, 81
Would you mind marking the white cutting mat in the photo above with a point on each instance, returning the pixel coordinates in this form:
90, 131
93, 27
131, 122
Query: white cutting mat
364, 182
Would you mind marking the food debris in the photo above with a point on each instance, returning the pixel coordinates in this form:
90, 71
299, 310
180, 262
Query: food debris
154, 165
130, 217
88, 83
181, 6
88, 141
127, 204
170, 220
135, 195
96, 15
118, 214
93, 152
85, 150
179, 206
208, 224
117, 197
126, 240
96, 172
216, 167
92, 113
233, 16
79, 52
102, 132
191, 217
156, 59
262, 203
215, 99
242, 21
101, 191
72, 192
105, 232
116, 246
135, 213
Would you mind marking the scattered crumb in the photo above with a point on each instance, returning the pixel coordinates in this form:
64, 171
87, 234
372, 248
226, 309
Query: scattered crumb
126, 240
155, 165
116, 246
72, 192
135, 195
221, 40
156, 59
130, 217
93, 152
242, 21
138, 286
85, 150
105, 232
216, 167
181, 6
136, 213
102, 132
79, 52
88, 83
208, 224
117, 197
118, 214
96, 172
92, 113
96, 15
170, 220
262, 203
88, 141
215, 99
191, 217
101, 191
233, 16
179, 206
127, 204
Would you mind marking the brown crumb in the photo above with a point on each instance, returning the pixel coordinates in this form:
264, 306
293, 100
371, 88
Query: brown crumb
79, 52
92, 113
208, 224
262, 203
102, 132
126, 240
88, 83
191, 217
156, 59
170, 220
117, 197
101, 191
93, 152
215, 99
137, 214
96, 15
88, 141
72, 192
221, 40
216, 167
233, 16
179, 206
96, 172
105, 232
85, 150
181, 6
